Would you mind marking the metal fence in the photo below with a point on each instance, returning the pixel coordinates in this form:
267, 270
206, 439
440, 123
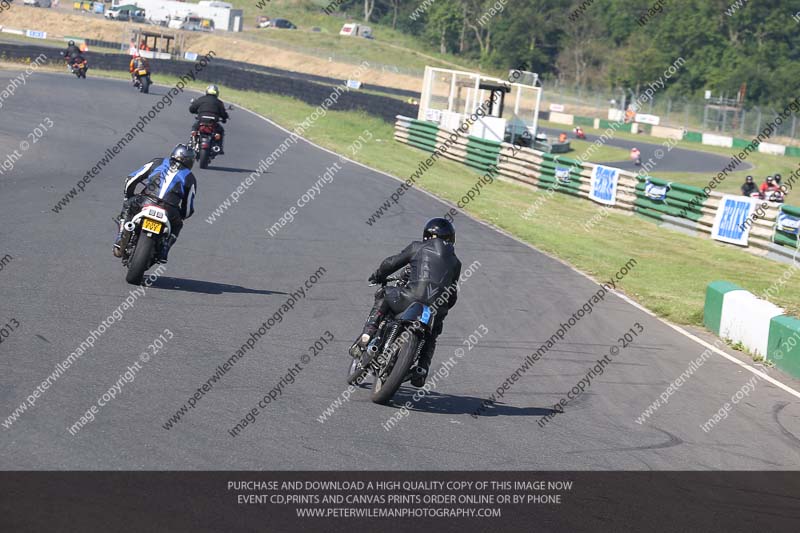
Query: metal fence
697, 115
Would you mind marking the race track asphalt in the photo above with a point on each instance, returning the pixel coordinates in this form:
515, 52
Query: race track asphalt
225, 279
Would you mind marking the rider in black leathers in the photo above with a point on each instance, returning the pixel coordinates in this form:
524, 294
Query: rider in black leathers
210, 105
749, 186
71, 52
432, 279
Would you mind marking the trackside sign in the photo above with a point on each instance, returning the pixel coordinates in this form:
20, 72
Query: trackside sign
729, 223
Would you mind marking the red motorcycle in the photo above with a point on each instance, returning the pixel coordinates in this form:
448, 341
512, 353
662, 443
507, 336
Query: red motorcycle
579, 133
773, 194
206, 140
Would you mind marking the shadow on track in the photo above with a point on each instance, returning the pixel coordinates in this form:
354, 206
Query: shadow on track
231, 169
206, 287
437, 403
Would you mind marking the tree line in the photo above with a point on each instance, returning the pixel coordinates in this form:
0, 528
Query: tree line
611, 44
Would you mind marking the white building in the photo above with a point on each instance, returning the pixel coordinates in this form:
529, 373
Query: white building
223, 14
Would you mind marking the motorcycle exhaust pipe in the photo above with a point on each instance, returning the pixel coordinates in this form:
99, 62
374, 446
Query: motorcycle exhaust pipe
215, 149
419, 371
372, 349
129, 226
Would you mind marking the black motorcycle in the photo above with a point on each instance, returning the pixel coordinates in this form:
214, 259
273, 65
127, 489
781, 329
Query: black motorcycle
142, 239
206, 140
392, 354
78, 67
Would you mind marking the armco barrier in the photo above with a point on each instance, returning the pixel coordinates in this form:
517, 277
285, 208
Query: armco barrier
666, 202
739, 316
236, 78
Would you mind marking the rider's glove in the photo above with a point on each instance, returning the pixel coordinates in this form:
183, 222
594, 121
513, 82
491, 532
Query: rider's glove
375, 278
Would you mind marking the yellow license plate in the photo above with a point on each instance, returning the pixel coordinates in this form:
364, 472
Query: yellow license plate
142, 73
152, 225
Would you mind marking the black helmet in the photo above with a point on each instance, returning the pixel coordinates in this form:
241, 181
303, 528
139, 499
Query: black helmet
440, 228
212, 90
183, 155
749, 179
71, 43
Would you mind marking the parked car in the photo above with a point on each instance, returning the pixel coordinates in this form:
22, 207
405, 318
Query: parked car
126, 13
281, 24
38, 3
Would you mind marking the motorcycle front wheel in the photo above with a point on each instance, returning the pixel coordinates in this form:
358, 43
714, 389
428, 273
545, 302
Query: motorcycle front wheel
385, 387
355, 373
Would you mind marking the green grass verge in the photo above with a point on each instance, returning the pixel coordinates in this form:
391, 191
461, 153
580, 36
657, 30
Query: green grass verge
763, 164
673, 269
604, 153
390, 47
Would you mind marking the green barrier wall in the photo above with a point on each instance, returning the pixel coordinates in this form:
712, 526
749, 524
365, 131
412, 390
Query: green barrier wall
792, 151
783, 347
680, 201
605, 124
693, 137
783, 238
712, 311
740, 143
482, 154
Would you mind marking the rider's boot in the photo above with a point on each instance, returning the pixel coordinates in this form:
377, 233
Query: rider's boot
163, 256
369, 331
117, 251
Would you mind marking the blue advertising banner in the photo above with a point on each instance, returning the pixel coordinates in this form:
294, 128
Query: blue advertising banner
730, 221
603, 187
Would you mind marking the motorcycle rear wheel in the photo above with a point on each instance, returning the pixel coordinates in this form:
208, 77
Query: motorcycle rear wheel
205, 157
140, 261
382, 391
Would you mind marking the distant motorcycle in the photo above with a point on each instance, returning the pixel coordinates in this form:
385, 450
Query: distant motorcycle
579, 134
771, 195
141, 80
206, 141
142, 239
393, 353
636, 157
79, 68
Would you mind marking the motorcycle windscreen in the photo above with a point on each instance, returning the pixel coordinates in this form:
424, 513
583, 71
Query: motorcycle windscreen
417, 311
